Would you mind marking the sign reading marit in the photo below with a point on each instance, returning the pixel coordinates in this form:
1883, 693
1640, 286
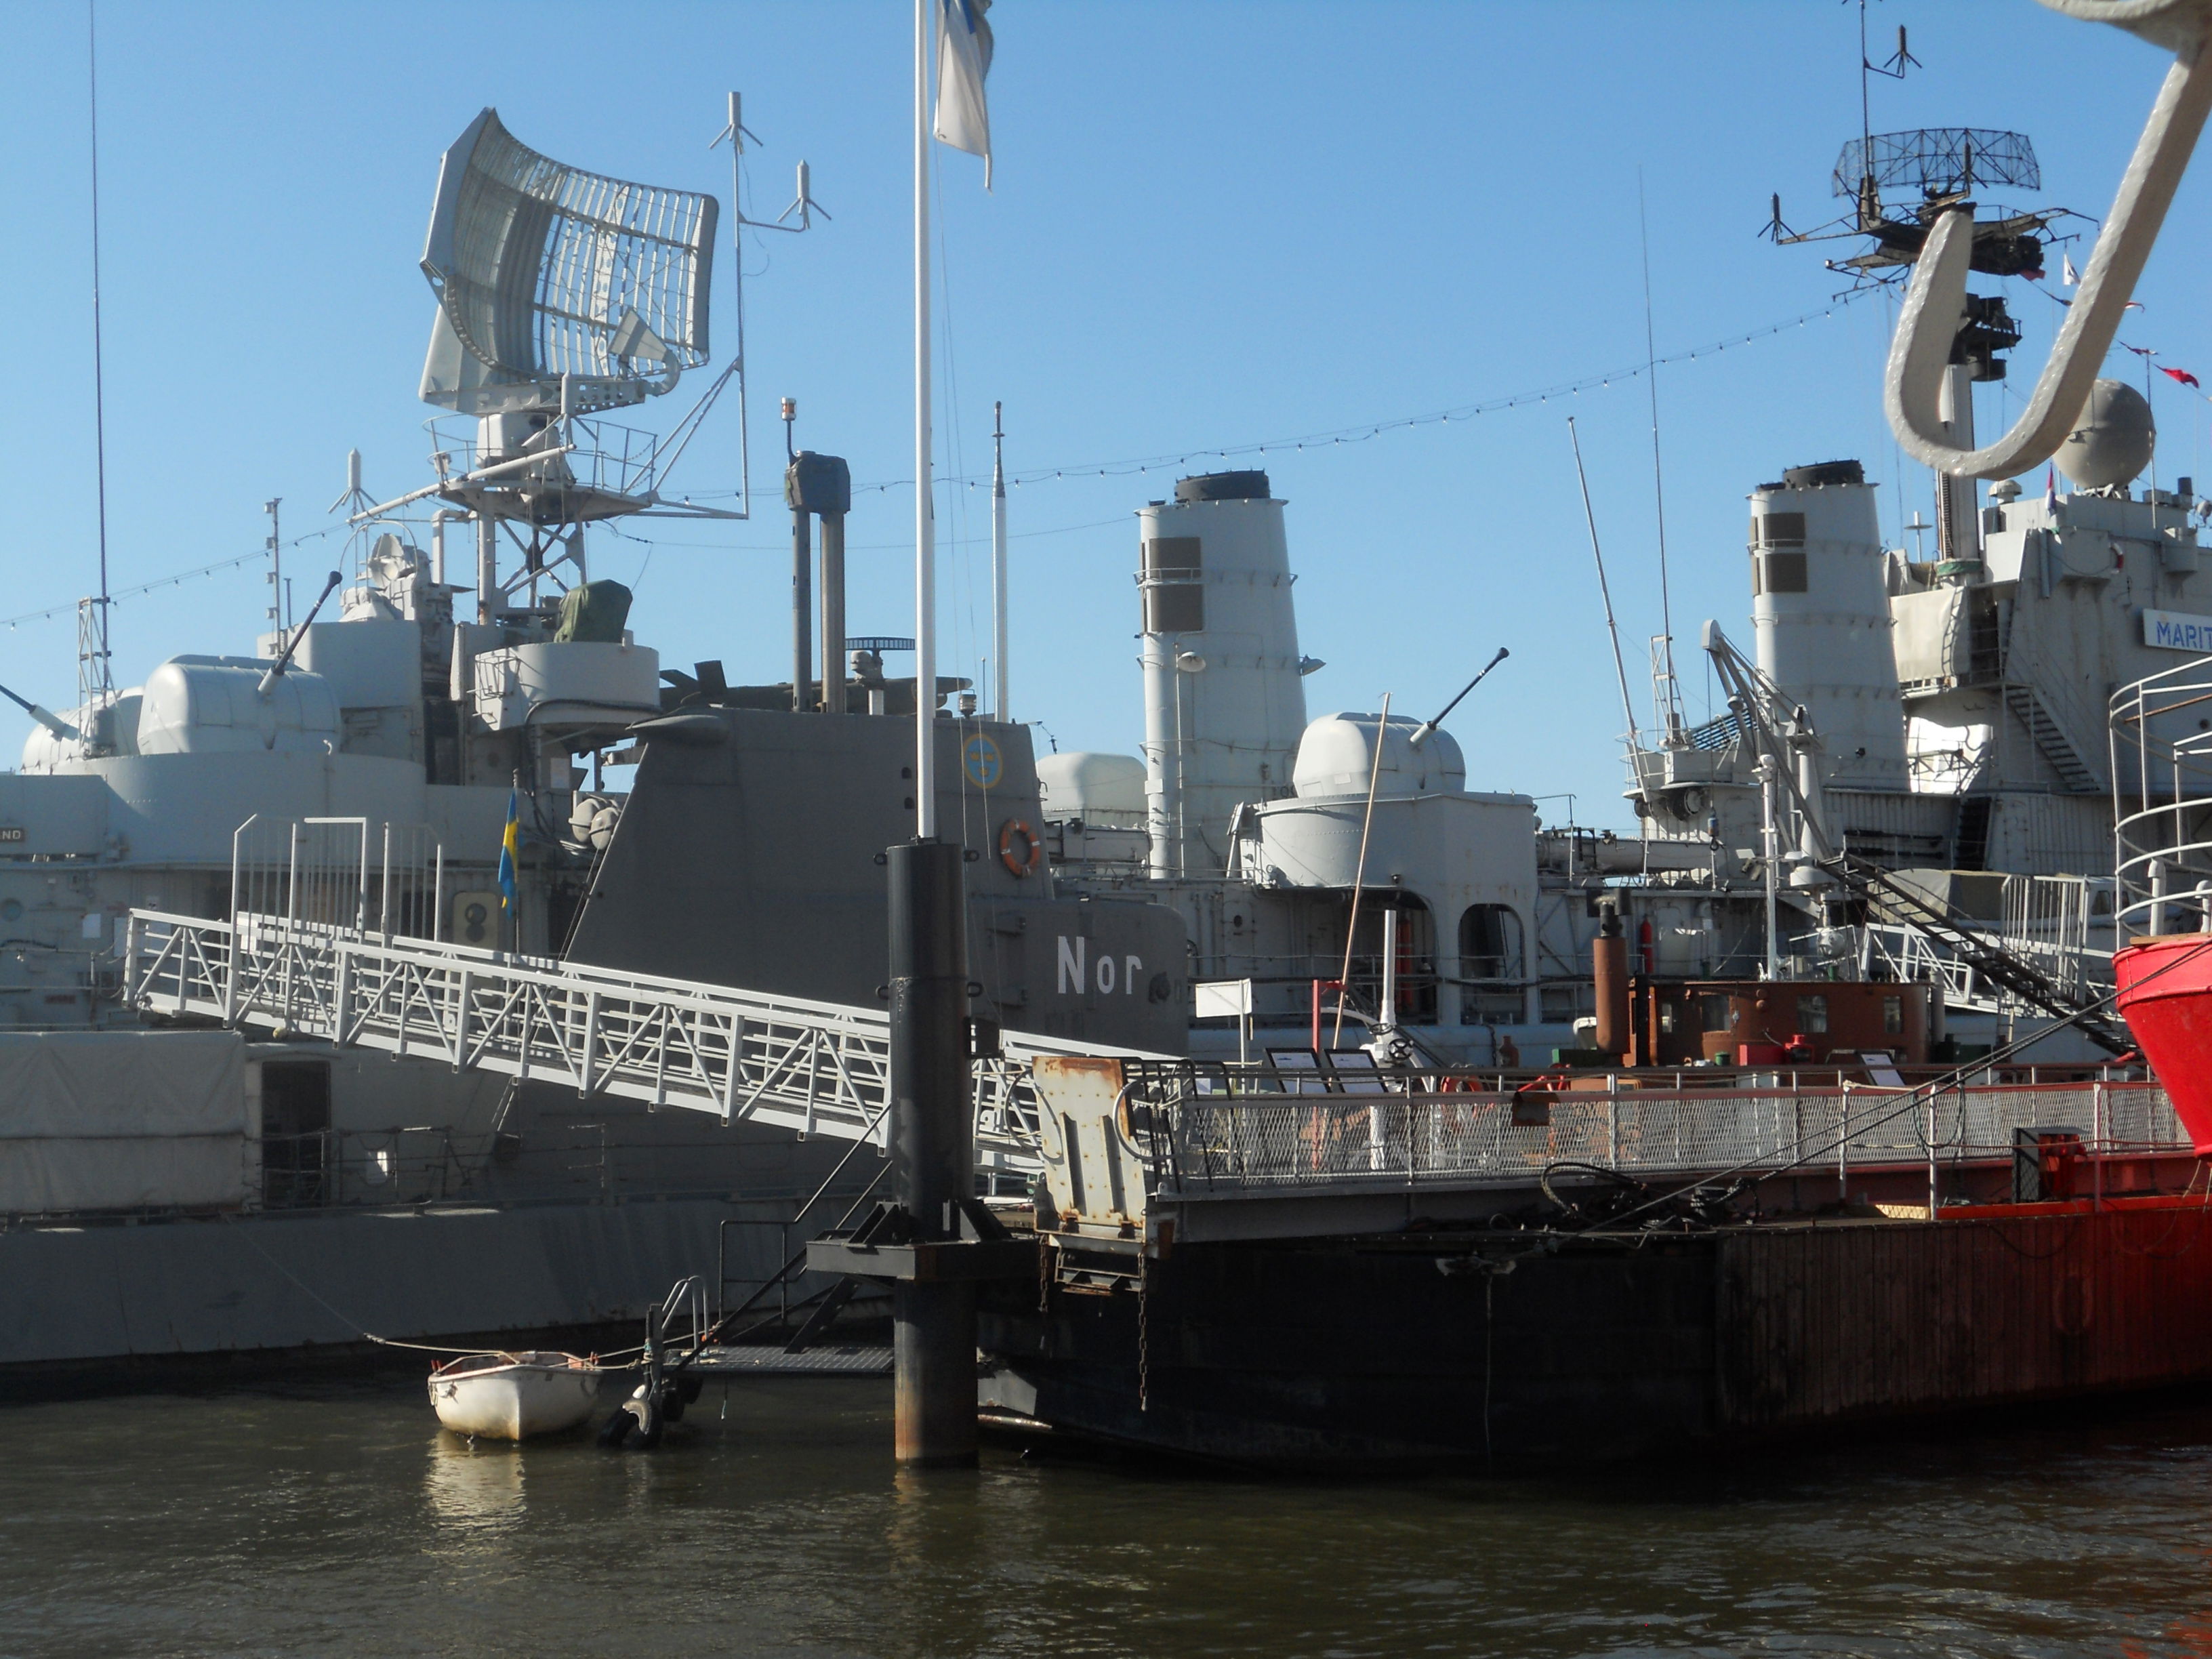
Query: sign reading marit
2171, 631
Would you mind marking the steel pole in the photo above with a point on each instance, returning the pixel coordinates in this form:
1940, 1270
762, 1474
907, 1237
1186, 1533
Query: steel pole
833, 613
802, 611
932, 1151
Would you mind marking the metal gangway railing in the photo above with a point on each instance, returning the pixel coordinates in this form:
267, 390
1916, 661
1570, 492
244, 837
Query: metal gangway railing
2051, 923
745, 1057
2161, 738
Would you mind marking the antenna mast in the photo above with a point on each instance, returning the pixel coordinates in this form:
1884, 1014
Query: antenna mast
1620, 668
277, 620
95, 676
737, 133
998, 557
805, 207
1667, 692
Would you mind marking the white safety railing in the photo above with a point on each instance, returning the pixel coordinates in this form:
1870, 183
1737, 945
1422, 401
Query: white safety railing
2161, 746
785, 1062
1203, 1142
1907, 953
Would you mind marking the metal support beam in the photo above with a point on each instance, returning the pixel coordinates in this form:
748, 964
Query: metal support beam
833, 613
802, 611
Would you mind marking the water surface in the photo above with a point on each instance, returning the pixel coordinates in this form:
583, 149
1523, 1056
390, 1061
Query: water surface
337, 1519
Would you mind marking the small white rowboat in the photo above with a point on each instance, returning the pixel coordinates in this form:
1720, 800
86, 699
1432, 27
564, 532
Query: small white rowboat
512, 1396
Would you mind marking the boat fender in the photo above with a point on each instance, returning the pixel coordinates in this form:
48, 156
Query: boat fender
1020, 848
636, 1426
677, 1393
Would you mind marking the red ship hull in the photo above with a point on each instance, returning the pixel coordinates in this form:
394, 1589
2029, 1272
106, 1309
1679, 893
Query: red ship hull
2166, 994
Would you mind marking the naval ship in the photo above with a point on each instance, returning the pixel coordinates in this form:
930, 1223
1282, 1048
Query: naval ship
1783, 944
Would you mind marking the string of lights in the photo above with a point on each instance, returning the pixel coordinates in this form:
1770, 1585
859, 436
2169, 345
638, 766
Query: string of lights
1129, 466
181, 577
1373, 429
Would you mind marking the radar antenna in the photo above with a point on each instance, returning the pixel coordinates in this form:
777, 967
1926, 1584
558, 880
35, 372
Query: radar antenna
562, 294
1902, 186
559, 290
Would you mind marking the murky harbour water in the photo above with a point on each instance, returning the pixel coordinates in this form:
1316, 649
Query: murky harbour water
338, 1519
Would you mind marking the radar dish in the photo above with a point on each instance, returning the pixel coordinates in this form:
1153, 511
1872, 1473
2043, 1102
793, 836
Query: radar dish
1901, 183
1938, 161
544, 271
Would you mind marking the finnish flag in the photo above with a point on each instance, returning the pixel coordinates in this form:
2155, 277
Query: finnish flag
963, 58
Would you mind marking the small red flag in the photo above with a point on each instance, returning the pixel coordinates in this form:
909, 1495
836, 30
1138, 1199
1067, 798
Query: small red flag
2180, 374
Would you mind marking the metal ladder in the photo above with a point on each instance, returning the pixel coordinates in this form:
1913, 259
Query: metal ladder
2052, 741
1991, 962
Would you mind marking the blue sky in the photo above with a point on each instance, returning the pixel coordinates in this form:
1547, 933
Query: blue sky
1214, 224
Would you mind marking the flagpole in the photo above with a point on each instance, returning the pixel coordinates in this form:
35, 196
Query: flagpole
932, 1109
925, 529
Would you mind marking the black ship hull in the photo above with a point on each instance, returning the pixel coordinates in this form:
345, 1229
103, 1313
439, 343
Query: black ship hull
1418, 1352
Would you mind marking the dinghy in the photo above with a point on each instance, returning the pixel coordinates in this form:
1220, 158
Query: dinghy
512, 1396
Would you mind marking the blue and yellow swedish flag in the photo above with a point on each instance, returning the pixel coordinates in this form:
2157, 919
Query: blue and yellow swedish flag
510, 847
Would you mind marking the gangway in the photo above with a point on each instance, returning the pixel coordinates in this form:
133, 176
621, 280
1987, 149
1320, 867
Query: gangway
743, 1056
1982, 957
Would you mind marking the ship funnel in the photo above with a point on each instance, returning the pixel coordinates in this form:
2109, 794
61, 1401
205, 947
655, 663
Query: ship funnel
1820, 614
1224, 697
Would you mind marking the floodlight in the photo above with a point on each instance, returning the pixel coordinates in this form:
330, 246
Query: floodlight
545, 271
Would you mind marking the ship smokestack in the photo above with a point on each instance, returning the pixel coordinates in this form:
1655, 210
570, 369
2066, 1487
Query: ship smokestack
1819, 612
1225, 700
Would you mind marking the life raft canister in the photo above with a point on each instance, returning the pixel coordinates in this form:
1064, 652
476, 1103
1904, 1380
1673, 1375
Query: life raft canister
1020, 848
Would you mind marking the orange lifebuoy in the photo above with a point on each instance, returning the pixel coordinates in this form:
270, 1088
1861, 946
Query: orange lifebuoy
1026, 863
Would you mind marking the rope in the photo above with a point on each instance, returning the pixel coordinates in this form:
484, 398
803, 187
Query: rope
367, 1335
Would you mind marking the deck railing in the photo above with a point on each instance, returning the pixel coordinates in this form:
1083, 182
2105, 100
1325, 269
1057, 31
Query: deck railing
1210, 1131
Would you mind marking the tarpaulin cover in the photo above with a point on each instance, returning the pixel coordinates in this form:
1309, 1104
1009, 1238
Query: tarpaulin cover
122, 1121
594, 613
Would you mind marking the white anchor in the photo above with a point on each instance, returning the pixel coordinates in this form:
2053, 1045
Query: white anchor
1935, 301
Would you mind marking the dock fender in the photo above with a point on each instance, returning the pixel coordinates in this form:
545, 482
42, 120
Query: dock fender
635, 1424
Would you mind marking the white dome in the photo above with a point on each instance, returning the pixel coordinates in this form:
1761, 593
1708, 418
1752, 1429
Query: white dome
2112, 443
1336, 756
1101, 789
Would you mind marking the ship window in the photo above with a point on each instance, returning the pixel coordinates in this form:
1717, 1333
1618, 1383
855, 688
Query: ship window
1784, 572
1175, 603
1490, 942
1813, 1015
1718, 1014
1667, 1018
1893, 1016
